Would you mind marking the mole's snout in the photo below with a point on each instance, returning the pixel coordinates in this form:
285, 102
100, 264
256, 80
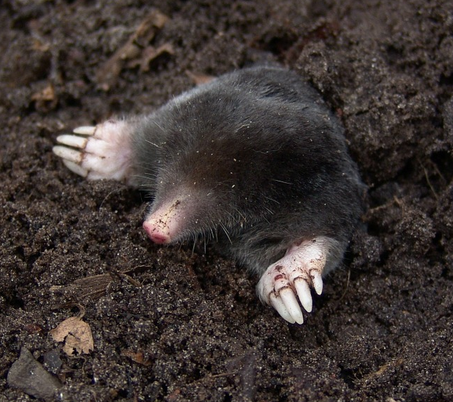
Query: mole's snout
166, 223
156, 232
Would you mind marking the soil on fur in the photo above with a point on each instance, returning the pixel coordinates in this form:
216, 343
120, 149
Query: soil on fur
184, 324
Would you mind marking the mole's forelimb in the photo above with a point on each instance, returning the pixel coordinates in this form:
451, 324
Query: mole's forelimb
291, 277
98, 152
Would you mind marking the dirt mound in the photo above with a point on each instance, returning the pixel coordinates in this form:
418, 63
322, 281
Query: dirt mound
176, 324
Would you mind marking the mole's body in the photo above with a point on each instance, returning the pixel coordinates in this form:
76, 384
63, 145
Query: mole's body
253, 159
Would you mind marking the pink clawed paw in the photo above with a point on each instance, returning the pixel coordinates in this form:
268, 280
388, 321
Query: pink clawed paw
286, 284
97, 152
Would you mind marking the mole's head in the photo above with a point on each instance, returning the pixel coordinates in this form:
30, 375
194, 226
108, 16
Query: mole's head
206, 183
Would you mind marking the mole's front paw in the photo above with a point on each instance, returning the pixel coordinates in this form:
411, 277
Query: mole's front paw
291, 278
99, 152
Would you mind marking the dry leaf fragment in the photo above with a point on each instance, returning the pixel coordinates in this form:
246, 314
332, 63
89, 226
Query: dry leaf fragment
96, 286
148, 55
199, 78
137, 357
76, 334
45, 99
107, 75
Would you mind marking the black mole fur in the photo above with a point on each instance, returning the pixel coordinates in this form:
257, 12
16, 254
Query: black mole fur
265, 160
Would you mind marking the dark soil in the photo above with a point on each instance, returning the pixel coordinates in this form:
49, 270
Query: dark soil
174, 324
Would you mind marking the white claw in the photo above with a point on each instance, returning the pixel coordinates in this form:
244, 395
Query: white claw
68, 154
74, 167
72, 141
277, 303
85, 130
291, 304
317, 281
304, 294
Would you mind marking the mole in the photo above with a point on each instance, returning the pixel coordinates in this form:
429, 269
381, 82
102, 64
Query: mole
253, 160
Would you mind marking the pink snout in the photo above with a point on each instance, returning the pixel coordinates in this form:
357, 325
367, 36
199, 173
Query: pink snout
155, 232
